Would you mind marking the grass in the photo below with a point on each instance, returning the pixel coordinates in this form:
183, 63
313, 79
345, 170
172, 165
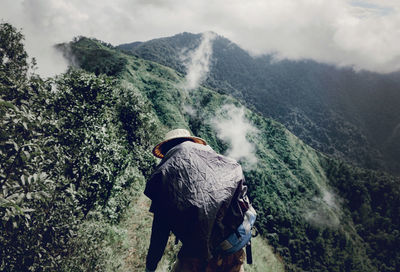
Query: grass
138, 223
127, 245
264, 259
130, 251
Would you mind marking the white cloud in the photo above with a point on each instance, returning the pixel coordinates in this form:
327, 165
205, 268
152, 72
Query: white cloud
233, 127
324, 210
198, 62
359, 33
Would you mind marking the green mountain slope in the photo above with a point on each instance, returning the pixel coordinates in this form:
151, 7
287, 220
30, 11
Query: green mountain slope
319, 214
159, 85
351, 115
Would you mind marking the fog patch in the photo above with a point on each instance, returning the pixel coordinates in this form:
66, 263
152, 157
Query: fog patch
395, 133
324, 211
188, 109
233, 127
68, 55
197, 62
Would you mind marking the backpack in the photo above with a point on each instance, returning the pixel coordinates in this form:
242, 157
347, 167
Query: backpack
241, 236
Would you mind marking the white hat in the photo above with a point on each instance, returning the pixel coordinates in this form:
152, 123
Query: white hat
175, 134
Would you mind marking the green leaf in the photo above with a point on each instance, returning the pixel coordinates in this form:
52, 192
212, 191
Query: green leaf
23, 179
27, 154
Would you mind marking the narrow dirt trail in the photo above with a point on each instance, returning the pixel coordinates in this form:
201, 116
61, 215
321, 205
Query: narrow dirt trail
138, 224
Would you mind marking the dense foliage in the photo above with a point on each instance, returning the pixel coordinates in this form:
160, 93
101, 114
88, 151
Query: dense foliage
73, 149
373, 200
93, 56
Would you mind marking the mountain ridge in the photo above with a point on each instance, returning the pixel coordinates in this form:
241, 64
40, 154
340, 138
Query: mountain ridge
351, 115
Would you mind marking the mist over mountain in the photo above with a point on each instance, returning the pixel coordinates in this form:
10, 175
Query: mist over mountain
353, 115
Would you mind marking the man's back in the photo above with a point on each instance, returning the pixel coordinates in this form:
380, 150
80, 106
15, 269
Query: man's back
198, 195
195, 185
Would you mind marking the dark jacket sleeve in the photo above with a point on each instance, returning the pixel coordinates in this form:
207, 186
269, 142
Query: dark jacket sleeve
159, 238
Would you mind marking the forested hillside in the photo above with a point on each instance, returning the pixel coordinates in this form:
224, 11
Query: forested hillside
70, 166
76, 151
350, 115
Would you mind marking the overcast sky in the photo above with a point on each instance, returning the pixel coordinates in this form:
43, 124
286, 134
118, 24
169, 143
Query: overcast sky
364, 34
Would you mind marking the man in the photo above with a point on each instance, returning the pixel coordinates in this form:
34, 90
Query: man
196, 193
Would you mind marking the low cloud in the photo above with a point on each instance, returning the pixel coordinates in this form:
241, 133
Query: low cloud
190, 110
396, 132
233, 127
324, 211
197, 62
